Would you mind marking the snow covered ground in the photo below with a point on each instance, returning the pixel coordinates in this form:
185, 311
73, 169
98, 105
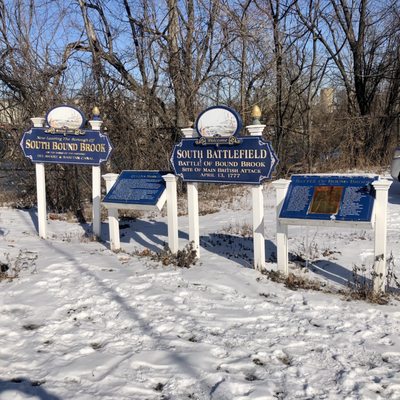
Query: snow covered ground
81, 322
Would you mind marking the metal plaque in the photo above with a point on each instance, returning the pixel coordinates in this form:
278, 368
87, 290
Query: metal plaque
330, 197
137, 188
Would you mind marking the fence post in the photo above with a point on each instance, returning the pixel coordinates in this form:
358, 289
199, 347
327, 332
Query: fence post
281, 187
41, 199
38, 122
96, 182
258, 202
381, 199
172, 209
113, 224
193, 203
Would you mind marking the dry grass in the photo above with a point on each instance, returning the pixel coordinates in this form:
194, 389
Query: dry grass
213, 198
8, 271
360, 287
11, 268
130, 215
294, 282
244, 230
184, 258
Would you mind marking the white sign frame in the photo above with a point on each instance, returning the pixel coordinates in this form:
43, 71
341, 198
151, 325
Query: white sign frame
257, 202
169, 195
38, 122
378, 224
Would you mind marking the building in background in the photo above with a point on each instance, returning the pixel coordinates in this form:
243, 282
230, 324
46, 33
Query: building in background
326, 99
9, 112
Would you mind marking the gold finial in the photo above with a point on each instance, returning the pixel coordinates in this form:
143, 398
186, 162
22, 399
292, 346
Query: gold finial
96, 111
256, 112
256, 115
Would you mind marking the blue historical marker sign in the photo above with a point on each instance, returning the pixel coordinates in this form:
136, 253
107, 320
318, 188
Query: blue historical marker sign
330, 197
249, 160
66, 146
137, 187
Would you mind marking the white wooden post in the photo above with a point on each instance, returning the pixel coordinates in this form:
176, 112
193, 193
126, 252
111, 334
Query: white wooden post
281, 187
258, 228
172, 209
96, 189
38, 122
381, 200
113, 224
193, 204
96, 200
193, 215
41, 199
258, 212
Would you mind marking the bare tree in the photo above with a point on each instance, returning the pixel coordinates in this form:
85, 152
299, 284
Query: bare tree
359, 38
35, 53
32, 62
176, 46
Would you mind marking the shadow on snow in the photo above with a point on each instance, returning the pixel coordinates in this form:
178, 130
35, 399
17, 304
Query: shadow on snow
27, 387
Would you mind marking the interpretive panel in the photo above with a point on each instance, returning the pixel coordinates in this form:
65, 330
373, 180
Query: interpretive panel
137, 187
57, 146
333, 197
250, 161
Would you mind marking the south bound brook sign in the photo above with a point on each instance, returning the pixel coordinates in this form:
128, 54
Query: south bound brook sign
40, 145
219, 155
64, 141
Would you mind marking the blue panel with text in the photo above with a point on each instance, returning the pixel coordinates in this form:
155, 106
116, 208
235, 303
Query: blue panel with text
137, 187
330, 197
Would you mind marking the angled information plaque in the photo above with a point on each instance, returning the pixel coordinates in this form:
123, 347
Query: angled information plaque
137, 190
339, 198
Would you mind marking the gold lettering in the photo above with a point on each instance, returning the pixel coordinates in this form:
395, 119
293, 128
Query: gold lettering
252, 164
189, 153
64, 146
37, 145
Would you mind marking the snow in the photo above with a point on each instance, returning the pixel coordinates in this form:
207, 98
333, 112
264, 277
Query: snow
82, 322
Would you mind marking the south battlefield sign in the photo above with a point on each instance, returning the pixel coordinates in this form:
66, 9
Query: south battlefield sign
64, 142
251, 161
219, 155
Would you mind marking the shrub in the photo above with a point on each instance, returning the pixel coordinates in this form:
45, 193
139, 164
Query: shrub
184, 258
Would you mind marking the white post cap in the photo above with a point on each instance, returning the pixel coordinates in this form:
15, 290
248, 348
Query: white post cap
189, 132
281, 183
110, 177
38, 122
170, 178
95, 124
255, 130
382, 184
